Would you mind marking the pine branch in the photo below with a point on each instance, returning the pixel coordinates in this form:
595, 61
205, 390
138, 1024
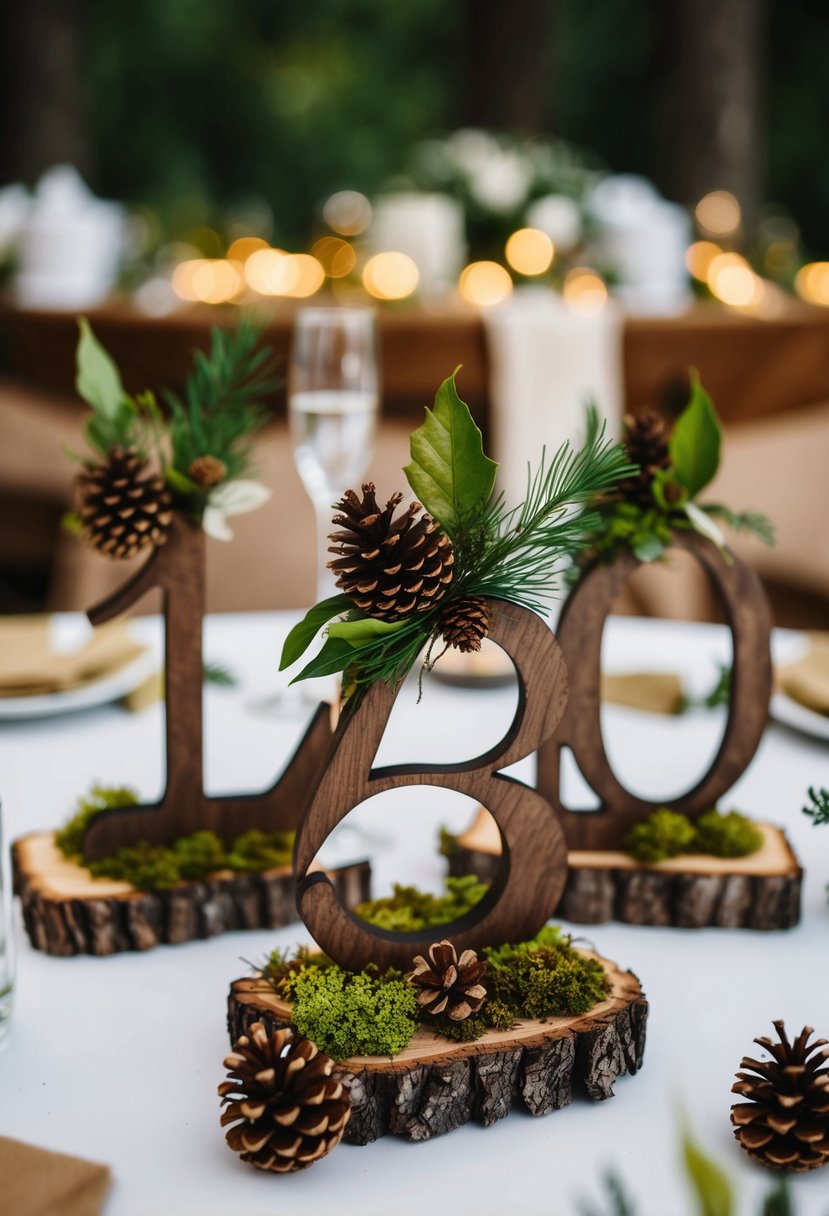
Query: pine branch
754, 522
819, 810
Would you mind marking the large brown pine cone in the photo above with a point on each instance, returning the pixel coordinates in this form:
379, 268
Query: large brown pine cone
646, 439
124, 507
449, 984
287, 1109
465, 622
390, 568
785, 1123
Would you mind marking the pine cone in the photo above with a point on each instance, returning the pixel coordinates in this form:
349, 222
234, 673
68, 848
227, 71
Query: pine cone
390, 568
287, 1108
646, 440
450, 984
464, 623
123, 506
785, 1123
207, 471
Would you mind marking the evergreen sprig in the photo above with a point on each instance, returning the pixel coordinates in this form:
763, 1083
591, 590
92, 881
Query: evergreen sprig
222, 407
818, 808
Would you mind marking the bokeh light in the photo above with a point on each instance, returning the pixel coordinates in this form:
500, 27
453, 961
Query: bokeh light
390, 276
347, 212
263, 271
207, 280
812, 283
335, 255
244, 247
698, 258
302, 274
732, 281
484, 284
584, 291
718, 213
529, 251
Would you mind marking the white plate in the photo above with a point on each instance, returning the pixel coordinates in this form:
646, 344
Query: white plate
791, 713
70, 632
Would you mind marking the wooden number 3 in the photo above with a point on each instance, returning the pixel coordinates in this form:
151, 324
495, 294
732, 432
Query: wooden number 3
534, 859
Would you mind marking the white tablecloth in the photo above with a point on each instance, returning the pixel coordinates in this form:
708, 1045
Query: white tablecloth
118, 1059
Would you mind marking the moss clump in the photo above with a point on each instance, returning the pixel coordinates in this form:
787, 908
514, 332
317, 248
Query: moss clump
667, 834
352, 1015
255, 851
408, 909
147, 867
663, 834
69, 838
726, 834
544, 977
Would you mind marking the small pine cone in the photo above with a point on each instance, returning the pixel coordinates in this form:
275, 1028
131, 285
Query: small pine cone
465, 622
449, 984
287, 1109
646, 440
207, 471
785, 1123
124, 507
390, 568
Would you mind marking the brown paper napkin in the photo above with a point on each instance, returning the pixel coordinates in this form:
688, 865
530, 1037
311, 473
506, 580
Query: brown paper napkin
34, 1182
29, 666
657, 692
807, 680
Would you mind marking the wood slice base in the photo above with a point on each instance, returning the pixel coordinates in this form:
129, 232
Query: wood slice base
434, 1086
761, 891
66, 911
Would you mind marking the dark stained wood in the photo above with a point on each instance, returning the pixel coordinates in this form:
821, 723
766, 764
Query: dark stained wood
178, 568
609, 886
528, 885
434, 1086
67, 912
580, 636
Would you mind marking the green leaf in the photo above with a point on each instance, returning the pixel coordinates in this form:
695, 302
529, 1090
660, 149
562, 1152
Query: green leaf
449, 472
709, 1182
303, 633
335, 656
366, 629
181, 483
648, 548
97, 378
694, 447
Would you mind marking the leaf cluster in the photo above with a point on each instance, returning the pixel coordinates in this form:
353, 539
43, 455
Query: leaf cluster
408, 909
664, 834
818, 806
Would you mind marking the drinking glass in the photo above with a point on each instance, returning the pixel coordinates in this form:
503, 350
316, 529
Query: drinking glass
333, 393
6, 942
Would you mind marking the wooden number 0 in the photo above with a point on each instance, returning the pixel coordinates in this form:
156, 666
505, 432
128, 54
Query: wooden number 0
178, 569
580, 634
534, 859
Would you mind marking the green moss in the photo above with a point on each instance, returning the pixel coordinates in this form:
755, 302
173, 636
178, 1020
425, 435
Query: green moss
147, 867
663, 834
198, 855
256, 851
408, 909
448, 843
726, 834
544, 977
69, 838
348, 1015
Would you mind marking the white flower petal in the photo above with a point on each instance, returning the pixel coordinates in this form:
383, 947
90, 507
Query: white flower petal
238, 497
214, 523
704, 524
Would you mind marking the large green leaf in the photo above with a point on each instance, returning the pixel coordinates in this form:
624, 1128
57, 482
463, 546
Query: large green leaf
695, 442
709, 1182
366, 629
335, 656
303, 633
97, 378
449, 472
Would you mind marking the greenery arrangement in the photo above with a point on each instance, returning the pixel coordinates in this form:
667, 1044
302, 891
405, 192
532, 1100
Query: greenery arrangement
160, 868
193, 459
482, 548
408, 909
667, 834
374, 1013
643, 513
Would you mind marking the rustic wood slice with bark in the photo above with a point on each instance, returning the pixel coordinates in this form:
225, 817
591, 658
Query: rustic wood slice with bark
66, 911
434, 1086
761, 891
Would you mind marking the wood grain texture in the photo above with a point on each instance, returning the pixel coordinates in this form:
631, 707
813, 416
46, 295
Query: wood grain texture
580, 636
67, 912
761, 891
178, 569
531, 877
434, 1086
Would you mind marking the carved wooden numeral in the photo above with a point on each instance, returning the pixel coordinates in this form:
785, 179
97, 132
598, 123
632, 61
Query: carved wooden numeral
534, 863
178, 569
580, 636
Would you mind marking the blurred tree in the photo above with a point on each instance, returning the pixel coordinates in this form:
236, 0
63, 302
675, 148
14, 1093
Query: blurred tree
508, 64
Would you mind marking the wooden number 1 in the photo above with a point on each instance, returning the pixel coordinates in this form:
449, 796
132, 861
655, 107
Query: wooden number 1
178, 569
580, 634
534, 860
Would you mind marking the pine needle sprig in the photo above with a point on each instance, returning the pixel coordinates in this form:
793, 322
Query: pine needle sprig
819, 808
222, 406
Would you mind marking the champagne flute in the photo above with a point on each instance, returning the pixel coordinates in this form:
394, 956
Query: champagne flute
333, 387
